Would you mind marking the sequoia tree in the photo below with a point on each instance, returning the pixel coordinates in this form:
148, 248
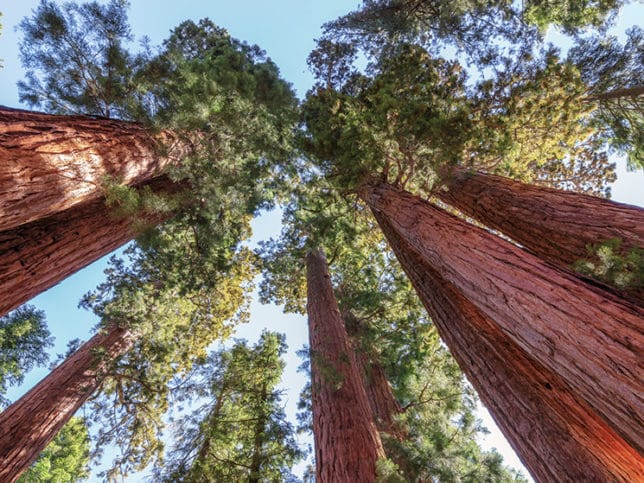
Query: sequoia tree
557, 226
33, 421
535, 408
39, 254
347, 444
75, 163
534, 303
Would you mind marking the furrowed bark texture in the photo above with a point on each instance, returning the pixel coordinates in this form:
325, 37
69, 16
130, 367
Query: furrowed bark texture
381, 398
347, 444
384, 405
49, 163
29, 424
555, 434
38, 255
589, 338
555, 225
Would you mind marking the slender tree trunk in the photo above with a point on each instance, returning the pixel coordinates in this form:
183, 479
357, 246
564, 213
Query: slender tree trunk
555, 434
555, 225
49, 163
38, 255
384, 405
347, 444
592, 340
29, 424
258, 443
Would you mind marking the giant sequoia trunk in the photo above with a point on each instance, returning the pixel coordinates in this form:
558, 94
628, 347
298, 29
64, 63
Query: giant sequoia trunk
592, 340
555, 434
38, 255
29, 424
347, 444
555, 225
49, 163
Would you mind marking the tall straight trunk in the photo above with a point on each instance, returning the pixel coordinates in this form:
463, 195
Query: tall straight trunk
555, 225
591, 339
29, 424
383, 402
49, 163
555, 434
38, 255
258, 442
347, 443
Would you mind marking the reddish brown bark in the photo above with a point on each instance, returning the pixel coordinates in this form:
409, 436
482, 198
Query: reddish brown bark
347, 444
28, 425
555, 434
592, 340
49, 163
555, 225
384, 405
38, 255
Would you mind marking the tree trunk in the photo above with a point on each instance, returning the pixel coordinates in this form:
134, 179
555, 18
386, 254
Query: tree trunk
591, 339
555, 225
29, 424
347, 444
49, 163
554, 433
258, 442
38, 255
384, 405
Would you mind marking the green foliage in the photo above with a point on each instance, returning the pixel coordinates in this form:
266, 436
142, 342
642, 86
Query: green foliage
614, 75
24, 338
76, 59
174, 319
414, 117
611, 264
240, 433
571, 16
65, 459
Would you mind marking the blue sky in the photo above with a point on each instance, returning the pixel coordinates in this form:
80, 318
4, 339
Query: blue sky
286, 29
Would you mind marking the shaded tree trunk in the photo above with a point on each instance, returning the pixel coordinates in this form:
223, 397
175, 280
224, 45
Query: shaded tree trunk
555, 225
29, 424
258, 442
633, 92
52, 162
384, 405
591, 339
347, 444
555, 434
38, 255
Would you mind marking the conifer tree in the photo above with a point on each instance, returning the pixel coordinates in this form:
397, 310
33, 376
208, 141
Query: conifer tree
24, 338
240, 433
170, 93
347, 443
65, 459
534, 408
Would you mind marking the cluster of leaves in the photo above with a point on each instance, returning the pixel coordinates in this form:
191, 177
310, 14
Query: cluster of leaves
611, 264
65, 459
24, 339
240, 431
174, 319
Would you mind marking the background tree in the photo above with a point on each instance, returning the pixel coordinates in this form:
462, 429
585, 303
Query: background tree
24, 338
422, 405
77, 59
239, 432
65, 459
